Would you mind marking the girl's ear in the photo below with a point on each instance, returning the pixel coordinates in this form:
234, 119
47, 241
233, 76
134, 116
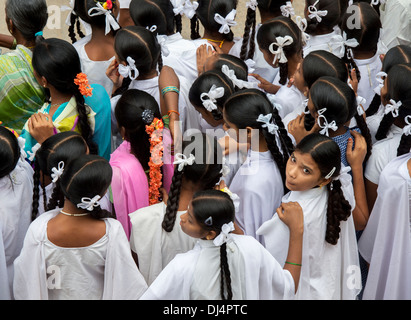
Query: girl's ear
249, 132
325, 182
211, 235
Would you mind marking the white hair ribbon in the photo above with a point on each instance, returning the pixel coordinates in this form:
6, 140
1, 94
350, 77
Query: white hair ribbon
224, 235
89, 204
111, 22
225, 170
250, 65
185, 7
302, 24
253, 4
339, 43
162, 40
407, 129
344, 176
237, 82
22, 143
393, 107
178, 7
152, 29
181, 160
226, 22
360, 103
57, 172
379, 77
325, 126
209, 99
376, 2
268, 123
287, 10
279, 54
127, 71
314, 13
32, 153
70, 8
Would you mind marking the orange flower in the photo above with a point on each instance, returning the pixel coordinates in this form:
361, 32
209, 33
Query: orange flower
83, 85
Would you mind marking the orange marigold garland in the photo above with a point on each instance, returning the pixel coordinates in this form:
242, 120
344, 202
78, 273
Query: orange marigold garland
155, 131
83, 85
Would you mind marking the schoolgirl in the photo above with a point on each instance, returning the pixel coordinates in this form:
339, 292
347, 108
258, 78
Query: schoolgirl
16, 190
319, 184
79, 241
156, 236
249, 117
224, 265
142, 164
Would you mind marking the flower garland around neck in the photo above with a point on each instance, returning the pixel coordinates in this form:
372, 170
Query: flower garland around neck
155, 131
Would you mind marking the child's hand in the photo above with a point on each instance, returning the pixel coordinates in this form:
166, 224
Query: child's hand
297, 129
267, 86
353, 80
292, 215
203, 53
113, 74
356, 157
40, 127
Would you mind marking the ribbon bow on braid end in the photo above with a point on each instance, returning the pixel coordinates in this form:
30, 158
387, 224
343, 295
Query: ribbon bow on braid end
279, 54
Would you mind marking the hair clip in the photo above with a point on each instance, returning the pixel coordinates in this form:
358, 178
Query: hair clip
89, 204
328, 176
226, 22
153, 28
57, 172
209, 221
147, 116
279, 54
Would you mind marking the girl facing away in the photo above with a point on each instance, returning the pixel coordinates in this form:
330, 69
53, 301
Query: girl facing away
16, 190
224, 265
323, 189
79, 241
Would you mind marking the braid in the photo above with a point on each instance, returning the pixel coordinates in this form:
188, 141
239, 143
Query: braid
173, 201
56, 199
72, 34
36, 191
349, 60
275, 151
385, 125
405, 145
286, 142
43, 188
338, 209
79, 32
160, 62
283, 73
178, 23
374, 106
249, 23
365, 131
194, 28
225, 274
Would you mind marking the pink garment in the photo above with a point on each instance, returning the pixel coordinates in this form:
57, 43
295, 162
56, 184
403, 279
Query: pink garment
129, 185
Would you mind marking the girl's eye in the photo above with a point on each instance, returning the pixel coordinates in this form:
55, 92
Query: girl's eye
292, 158
306, 171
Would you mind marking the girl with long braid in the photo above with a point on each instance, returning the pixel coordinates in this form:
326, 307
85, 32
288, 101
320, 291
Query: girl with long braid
226, 266
249, 117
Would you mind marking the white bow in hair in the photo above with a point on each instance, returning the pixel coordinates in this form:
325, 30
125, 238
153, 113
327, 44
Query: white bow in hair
393, 107
57, 172
379, 77
344, 177
376, 2
407, 129
339, 43
70, 8
268, 123
360, 103
32, 153
325, 126
89, 204
209, 99
22, 143
279, 54
226, 22
127, 71
181, 160
224, 235
314, 13
237, 82
152, 29
162, 40
287, 10
302, 24
111, 22
185, 7
253, 4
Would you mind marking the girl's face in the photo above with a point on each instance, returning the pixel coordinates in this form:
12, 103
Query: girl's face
302, 173
384, 92
299, 81
191, 227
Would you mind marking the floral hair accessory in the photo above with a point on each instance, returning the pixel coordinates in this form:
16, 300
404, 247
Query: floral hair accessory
155, 131
108, 5
57, 172
314, 13
279, 54
147, 116
82, 82
88, 203
226, 22
111, 22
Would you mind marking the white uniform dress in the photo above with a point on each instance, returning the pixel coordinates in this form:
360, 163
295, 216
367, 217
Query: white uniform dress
255, 274
16, 194
154, 246
382, 153
326, 268
259, 185
104, 270
385, 243
323, 42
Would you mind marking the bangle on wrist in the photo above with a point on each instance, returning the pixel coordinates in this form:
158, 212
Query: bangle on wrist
172, 111
169, 89
294, 264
